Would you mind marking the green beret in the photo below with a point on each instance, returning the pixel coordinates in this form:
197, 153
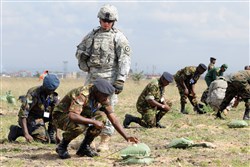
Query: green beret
225, 66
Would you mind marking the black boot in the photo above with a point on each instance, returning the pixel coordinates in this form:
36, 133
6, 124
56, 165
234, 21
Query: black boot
62, 149
85, 149
130, 118
183, 111
51, 132
15, 132
158, 118
246, 115
198, 109
218, 115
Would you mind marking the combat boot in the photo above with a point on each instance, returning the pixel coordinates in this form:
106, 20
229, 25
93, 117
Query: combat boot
62, 149
218, 115
85, 149
15, 132
198, 109
183, 111
246, 115
158, 118
130, 118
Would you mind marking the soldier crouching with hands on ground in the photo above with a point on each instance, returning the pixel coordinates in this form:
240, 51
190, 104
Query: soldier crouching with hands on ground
151, 104
83, 108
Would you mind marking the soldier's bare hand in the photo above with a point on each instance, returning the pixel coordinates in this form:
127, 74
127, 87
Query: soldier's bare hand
133, 139
28, 138
99, 124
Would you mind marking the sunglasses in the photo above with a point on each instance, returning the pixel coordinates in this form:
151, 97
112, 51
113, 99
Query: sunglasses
107, 21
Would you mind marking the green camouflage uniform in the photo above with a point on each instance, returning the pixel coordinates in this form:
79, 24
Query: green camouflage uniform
34, 106
212, 75
77, 101
152, 91
105, 54
238, 85
186, 74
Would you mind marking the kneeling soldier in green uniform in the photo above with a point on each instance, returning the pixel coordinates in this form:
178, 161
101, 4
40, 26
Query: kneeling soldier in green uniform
151, 104
84, 108
35, 110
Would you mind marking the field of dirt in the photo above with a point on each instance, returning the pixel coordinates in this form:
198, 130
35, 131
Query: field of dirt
231, 146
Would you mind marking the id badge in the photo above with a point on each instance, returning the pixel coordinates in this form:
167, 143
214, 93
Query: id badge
162, 99
46, 114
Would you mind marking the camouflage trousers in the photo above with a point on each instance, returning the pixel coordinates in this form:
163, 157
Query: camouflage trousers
37, 129
148, 117
71, 129
236, 89
183, 97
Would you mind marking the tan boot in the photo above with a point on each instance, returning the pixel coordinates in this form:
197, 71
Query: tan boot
103, 146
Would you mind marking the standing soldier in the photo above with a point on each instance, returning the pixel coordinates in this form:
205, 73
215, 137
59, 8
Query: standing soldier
84, 108
105, 53
186, 79
151, 104
211, 64
214, 73
35, 110
238, 86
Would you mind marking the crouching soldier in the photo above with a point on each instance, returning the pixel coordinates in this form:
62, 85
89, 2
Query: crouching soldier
151, 104
35, 110
186, 79
86, 108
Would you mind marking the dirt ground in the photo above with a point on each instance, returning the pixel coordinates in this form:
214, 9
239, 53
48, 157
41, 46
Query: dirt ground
232, 146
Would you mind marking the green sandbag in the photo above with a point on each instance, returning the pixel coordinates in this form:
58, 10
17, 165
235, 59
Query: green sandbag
136, 150
237, 124
180, 143
135, 160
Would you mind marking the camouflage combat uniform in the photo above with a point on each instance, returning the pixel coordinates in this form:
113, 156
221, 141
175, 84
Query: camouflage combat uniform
212, 75
152, 91
105, 54
187, 75
34, 107
238, 85
77, 101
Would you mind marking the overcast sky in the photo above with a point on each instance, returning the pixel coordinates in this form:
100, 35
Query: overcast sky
164, 36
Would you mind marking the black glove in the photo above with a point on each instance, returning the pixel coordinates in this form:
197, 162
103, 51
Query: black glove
118, 86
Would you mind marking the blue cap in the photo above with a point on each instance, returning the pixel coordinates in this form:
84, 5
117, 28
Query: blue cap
51, 82
104, 86
167, 76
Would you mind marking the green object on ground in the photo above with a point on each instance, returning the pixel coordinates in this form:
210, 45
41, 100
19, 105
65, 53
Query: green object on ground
180, 143
136, 154
237, 124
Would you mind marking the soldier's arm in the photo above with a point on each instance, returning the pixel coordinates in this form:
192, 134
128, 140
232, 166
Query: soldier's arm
123, 53
113, 119
75, 110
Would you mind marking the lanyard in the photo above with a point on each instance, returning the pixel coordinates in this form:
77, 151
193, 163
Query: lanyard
91, 105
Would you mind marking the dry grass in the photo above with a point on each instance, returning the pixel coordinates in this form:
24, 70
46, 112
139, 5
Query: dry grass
232, 149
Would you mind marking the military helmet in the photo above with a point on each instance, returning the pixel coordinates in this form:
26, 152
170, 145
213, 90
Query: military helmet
108, 12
